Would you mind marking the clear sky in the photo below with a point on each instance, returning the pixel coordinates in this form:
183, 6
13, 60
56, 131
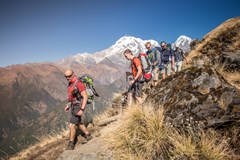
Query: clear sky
49, 30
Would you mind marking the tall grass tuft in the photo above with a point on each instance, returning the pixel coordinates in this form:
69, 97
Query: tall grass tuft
183, 145
213, 147
140, 135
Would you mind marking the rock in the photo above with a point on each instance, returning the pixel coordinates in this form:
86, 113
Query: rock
197, 98
230, 61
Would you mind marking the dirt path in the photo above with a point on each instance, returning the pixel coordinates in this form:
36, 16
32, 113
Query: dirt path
93, 150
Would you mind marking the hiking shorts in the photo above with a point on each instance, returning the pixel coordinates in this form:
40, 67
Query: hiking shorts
178, 66
167, 69
136, 89
75, 119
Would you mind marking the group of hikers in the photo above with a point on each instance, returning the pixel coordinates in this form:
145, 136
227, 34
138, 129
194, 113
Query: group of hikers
163, 59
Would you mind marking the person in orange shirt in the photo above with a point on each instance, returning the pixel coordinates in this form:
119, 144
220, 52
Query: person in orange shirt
135, 85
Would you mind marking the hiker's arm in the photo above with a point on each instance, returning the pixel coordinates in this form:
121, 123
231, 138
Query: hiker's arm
67, 106
85, 98
69, 101
84, 102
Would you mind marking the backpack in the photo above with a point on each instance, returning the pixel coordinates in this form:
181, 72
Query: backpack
178, 55
169, 46
159, 49
146, 66
90, 89
153, 57
166, 55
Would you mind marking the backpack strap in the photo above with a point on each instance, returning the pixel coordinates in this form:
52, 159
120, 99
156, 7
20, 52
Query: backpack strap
157, 57
79, 97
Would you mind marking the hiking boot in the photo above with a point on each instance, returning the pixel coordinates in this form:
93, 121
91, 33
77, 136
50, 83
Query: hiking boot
87, 137
70, 146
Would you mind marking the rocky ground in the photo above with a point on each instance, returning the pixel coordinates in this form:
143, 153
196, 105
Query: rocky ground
94, 149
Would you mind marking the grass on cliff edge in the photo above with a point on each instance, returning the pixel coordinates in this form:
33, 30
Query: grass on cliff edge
46, 143
141, 134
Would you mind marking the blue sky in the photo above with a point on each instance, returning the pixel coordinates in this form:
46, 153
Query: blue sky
49, 30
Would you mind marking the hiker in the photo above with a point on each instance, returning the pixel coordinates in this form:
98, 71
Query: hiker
167, 60
178, 58
135, 85
155, 59
77, 98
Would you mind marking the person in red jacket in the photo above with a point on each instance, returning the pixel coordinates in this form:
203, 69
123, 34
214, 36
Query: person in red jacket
77, 97
136, 85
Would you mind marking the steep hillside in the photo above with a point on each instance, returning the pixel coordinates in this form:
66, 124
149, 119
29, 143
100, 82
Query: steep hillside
27, 91
47, 123
221, 49
30, 95
219, 44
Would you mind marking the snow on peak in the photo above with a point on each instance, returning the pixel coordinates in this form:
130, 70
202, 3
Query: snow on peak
183, 42
114, 52
132, 43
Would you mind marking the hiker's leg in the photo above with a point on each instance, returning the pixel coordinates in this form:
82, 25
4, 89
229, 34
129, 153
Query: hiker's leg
74, 121
138, 92
180, 66
69, 131
130, 99
83, 128
72, 131
168, 69
163, 72
155, 76
86, 135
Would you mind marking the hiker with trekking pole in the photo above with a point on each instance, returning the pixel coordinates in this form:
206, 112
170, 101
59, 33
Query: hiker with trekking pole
135, 84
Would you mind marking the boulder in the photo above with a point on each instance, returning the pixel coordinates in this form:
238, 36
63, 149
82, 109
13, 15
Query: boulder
197, 98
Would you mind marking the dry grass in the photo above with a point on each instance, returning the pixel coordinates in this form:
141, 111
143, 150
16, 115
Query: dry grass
231, 77
142, 134
43, 144
208, 41
214, 147
184, 145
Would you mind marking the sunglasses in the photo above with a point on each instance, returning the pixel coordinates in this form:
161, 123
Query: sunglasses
68, 76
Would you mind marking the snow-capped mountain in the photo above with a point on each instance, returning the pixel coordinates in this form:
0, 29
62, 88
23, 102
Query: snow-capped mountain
183, 42
114, 52
109, 65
